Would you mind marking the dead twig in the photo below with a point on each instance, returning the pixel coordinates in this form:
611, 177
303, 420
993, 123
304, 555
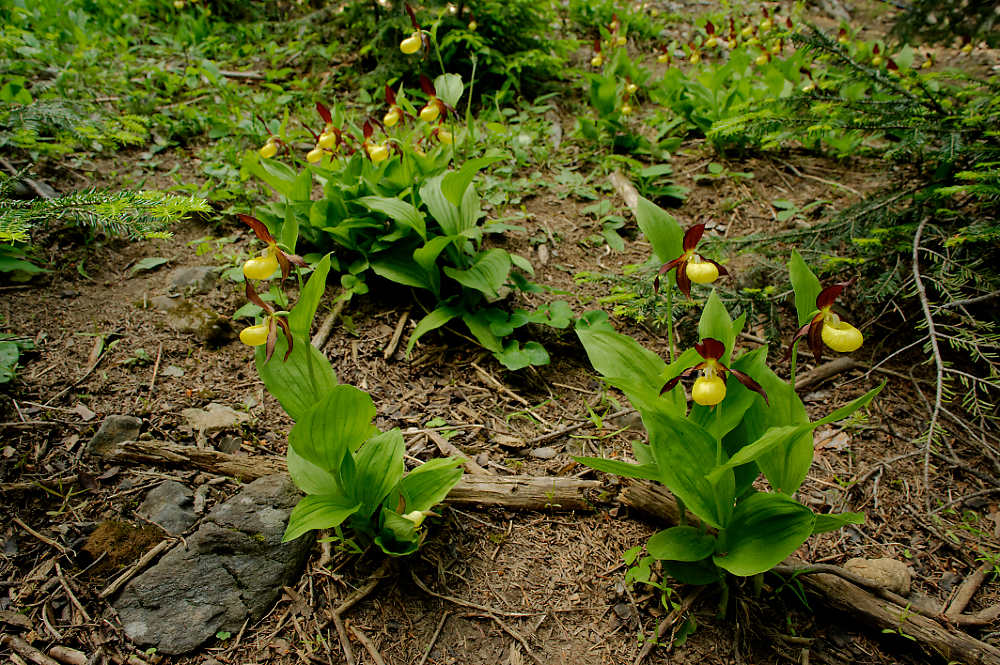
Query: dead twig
434, 637
72, 598
323, 334
825, 371
25, 650
465, 603
966, 591
68, 655
45, 539
938, 362
397, 334
367, 644
448, 448
510, 631
572, 428
489, 378
134, 569
156, 371
666, 624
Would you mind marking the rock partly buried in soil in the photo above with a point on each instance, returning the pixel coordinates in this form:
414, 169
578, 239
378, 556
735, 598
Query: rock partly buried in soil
231, 569
884, 573
194, 279
113, 430
171, 506
188, 317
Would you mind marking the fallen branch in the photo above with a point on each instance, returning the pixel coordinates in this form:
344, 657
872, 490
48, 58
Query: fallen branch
513, 492
837, 592
825, 371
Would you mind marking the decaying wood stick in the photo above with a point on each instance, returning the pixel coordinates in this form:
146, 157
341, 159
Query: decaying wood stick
825, 371
625, 190
952, 645
135, 568
448, 448
966, 591
514, 492
19, 646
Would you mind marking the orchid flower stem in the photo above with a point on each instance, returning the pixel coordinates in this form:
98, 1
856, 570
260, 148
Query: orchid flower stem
795, 353
670, 318
758, 584
682, 518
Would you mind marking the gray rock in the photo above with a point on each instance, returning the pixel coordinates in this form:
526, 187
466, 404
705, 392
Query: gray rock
194, 279
171, 505
231, 569
188, 317
545, 452
113, 430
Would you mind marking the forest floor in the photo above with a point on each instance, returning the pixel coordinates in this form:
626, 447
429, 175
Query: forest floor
553, 580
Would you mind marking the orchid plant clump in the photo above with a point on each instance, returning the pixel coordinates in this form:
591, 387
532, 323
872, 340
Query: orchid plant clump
744, 422
352, 473
395, 204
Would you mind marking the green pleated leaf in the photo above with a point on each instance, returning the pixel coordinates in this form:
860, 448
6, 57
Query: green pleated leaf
429, 484
681, 543
832, 521
620, 468
297, 383
317, 511
765, 529
486, 275
335, 426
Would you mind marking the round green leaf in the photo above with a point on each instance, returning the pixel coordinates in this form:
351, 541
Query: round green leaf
681, 543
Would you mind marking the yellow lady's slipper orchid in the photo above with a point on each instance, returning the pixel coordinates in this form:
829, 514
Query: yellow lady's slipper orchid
709, 388
430, 112
269, 149
261, 267
597, 60
445, 136
411, 44
826, 327
254, 335
691, 266
700, 271
392, 117
314, 155
379, 152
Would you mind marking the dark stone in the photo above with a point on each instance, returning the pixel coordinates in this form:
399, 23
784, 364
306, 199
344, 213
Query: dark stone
231, 569
170, 505
115, 429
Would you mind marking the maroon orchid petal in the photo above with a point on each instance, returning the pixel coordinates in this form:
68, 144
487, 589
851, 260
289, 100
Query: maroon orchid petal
710, 349
413, 17
283, 323
258, 228
297, 260
672, 383
692, 236
368, 129
803, 331
255, 299
722, 270
390, 96
597, 46
831, 293
670, 265
427, 86
750, 383
709, 28
324, 112
272, 339
683, 281
286, 267
816, 337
